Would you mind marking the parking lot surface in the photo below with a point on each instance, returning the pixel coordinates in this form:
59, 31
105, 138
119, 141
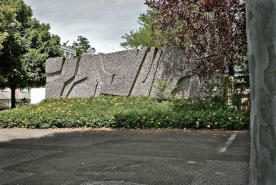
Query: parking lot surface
128, 157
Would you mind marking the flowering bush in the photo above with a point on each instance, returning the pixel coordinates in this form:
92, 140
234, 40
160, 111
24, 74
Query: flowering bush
124, 112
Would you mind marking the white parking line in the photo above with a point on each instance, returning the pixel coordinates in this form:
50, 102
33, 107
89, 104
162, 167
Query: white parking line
229, 141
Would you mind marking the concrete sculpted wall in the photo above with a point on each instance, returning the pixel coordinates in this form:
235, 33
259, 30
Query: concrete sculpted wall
125, 73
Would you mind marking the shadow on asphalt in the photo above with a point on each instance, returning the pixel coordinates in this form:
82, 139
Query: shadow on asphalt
126, 157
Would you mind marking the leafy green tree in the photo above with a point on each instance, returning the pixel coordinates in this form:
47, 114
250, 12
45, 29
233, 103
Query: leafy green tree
66, 43
7, 18
82, 46
144, 36
25, 49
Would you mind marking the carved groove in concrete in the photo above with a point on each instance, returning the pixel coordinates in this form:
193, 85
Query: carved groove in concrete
53, 68
125, 73
56, 88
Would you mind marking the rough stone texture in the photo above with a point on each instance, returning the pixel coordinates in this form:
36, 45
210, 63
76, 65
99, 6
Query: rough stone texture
261, 33
148, 83
142, 86
120, 70
117, 70
188, 87
87, 79
56, 88
125, 73
177, 70
158, 75
53, 68
54, 65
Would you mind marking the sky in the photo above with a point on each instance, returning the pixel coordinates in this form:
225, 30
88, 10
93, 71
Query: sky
102, 22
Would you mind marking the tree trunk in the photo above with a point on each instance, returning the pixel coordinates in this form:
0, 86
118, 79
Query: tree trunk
261, 34
13, 97
231, 73
231, 70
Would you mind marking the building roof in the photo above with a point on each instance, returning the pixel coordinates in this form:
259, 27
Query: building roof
64, 48
3, 97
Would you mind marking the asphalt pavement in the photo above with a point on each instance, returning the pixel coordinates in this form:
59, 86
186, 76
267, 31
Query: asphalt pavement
123, 157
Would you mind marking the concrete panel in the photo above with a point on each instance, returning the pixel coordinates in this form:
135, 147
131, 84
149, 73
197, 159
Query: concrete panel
88, 79
140, 87
55, 89
173, 67
53, 68
120, 80
148, 81
54, 65
188, 87
124, 73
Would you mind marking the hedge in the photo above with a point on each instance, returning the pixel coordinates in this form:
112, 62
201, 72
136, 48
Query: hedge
124, 112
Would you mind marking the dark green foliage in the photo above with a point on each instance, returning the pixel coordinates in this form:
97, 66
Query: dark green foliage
7, 18
82, 46
122, 112
25, 49
163, 89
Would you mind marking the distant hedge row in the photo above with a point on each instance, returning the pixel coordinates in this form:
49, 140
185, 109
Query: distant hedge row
124, 112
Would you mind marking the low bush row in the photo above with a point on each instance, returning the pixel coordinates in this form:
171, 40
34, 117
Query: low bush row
124, 112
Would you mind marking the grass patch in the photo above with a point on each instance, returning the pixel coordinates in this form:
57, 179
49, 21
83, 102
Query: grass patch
124, 112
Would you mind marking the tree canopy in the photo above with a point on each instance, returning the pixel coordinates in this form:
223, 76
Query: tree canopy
7, 17
82, 46
210, 29
26, 47
144, 36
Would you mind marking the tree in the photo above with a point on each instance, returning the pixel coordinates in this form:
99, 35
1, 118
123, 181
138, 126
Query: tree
144, 36
7, 17
212, 30
261, 33
26, 49
66, 43
82, 46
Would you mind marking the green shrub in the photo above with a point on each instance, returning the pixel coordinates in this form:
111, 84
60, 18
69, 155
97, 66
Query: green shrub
123, 112
163, 89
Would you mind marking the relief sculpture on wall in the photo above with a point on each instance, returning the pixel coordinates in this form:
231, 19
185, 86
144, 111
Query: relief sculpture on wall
123, 73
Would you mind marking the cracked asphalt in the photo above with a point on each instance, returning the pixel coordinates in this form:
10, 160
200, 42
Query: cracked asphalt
128, 157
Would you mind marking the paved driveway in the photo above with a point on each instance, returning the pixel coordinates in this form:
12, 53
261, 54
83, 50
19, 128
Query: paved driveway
115, 157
